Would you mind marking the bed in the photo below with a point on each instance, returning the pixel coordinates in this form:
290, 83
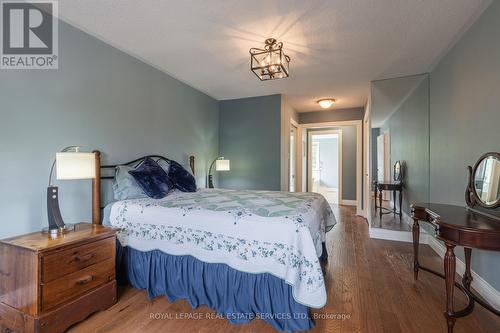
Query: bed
243, 253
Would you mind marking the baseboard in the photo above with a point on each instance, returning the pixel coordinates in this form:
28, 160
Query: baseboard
348, 202
480, 285
396, 235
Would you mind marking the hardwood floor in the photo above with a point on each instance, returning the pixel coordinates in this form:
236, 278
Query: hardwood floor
389, 221
370, 289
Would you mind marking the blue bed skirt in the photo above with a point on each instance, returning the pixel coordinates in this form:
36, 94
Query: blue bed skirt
235, 295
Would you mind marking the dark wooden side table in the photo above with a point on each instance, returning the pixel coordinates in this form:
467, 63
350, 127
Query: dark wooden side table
456, 226
394, 186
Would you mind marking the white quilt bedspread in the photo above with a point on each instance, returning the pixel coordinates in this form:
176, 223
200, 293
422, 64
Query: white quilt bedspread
252, 231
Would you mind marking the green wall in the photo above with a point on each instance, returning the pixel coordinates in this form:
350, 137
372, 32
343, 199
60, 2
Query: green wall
463, 123
100, 98
250, 137
409, 141
465, 119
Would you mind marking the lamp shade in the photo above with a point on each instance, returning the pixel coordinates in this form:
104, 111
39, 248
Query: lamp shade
75, 165
222, 165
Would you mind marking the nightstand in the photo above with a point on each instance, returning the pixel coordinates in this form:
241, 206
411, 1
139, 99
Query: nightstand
47, 285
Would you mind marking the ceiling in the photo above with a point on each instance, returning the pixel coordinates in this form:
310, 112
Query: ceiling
337, 46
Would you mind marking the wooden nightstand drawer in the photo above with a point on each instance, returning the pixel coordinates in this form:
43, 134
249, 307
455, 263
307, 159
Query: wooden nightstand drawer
60, 263
72, 285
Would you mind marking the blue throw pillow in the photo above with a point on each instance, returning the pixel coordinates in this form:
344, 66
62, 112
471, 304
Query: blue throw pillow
182, 179
152, 179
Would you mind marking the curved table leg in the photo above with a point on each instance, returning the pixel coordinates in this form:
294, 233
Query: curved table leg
449, 273
380, 205
467, 278
394, 202
400, 204
416, 236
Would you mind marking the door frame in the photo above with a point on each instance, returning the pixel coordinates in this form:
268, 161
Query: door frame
359, 156
339, 154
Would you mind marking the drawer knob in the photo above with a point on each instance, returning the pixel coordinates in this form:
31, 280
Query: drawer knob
85, 280
85, 257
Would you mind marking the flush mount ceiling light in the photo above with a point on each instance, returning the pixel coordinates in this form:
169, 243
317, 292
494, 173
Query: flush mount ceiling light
271, 62
325, 103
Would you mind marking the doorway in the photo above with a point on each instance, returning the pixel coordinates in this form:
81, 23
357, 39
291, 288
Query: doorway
350, 190
325, 164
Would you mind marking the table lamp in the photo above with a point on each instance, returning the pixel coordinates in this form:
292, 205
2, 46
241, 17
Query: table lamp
69, 164
220, 165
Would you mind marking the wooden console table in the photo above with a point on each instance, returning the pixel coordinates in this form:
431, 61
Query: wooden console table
456, 226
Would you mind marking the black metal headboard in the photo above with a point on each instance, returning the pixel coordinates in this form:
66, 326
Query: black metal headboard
96, 183
134, 163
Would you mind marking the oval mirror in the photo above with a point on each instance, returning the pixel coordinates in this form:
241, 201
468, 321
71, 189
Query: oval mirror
486, 175
397, 171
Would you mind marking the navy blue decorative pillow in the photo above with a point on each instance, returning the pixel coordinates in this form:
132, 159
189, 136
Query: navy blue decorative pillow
152, 179
182, 179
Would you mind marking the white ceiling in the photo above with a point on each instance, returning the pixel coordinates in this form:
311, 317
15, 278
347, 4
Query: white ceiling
337, 46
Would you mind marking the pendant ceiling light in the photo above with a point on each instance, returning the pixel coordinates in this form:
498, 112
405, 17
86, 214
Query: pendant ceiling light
270, 62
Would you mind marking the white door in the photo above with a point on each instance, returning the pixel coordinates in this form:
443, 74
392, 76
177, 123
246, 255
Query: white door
293, 158
387, 159
367, 164
380, 157
384, 161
